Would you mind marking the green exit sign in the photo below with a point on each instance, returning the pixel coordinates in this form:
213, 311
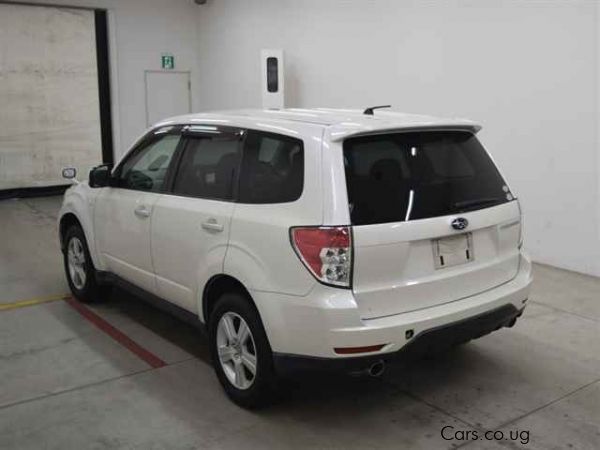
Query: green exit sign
167, 61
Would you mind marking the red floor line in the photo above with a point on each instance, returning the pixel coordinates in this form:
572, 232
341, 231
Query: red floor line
117, 335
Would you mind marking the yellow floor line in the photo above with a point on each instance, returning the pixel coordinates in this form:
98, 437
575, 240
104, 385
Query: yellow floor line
31, 302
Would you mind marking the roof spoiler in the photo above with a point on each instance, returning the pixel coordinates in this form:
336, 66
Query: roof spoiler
341, 134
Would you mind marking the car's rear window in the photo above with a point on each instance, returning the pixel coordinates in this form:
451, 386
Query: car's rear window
408, 176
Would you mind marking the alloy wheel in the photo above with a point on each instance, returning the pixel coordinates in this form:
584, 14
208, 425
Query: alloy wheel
76, 261
236, 350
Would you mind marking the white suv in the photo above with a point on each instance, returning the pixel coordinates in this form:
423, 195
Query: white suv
301, 239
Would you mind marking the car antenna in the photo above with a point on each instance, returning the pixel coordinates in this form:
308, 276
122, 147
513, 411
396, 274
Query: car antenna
369, 111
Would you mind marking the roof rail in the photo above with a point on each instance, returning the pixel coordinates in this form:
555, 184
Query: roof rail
369, 111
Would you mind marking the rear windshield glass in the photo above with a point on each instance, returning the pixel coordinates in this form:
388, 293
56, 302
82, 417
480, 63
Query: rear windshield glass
409, 176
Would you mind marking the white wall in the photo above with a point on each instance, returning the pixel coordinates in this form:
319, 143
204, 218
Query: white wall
140, 31
527, 71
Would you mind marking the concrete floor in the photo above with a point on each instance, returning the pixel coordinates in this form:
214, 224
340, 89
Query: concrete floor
66, 384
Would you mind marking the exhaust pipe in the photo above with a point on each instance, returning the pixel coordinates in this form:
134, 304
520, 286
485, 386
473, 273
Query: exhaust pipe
376, 369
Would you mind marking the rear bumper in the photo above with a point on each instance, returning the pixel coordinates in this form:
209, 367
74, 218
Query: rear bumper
310, 328
435, 339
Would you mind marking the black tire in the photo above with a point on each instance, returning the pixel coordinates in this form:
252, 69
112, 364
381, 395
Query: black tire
90, 291
264, 388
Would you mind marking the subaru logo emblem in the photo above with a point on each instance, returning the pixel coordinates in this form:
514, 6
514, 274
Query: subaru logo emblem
460, 223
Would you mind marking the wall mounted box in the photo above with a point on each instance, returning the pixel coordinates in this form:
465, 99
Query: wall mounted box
272, 87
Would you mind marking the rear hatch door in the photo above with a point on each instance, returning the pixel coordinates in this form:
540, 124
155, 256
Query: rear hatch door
433, 220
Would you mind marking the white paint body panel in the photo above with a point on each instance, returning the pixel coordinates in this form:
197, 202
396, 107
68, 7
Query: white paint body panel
260, 254
79, 200
123, 237
184, 252
328, 318
396, 287
394, 268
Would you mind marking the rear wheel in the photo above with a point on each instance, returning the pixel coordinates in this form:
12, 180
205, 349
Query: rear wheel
79, 268
241, 353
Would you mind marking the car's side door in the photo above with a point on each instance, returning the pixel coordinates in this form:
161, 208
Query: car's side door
190, 225
123, 211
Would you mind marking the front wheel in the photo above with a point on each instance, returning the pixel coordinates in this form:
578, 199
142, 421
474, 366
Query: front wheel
80, 271
241, 353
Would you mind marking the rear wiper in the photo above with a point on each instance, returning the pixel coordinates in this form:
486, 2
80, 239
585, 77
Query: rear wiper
479, 202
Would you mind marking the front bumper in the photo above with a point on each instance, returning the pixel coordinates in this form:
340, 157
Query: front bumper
426, 342
311, 327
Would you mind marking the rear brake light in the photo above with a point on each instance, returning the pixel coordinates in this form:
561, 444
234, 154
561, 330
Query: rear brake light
326, 252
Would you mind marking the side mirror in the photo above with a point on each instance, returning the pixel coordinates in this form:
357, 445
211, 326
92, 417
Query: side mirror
100, 176
69, 173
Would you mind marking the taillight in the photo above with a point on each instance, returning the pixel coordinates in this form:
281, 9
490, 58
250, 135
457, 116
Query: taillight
326, 252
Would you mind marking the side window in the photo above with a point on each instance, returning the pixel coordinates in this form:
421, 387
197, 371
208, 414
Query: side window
208, 167
147, 169
272, 169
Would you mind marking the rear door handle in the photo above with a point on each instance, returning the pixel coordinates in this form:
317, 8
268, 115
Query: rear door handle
142, 211
212, 225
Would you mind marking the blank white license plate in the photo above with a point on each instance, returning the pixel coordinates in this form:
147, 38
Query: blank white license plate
452, 250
